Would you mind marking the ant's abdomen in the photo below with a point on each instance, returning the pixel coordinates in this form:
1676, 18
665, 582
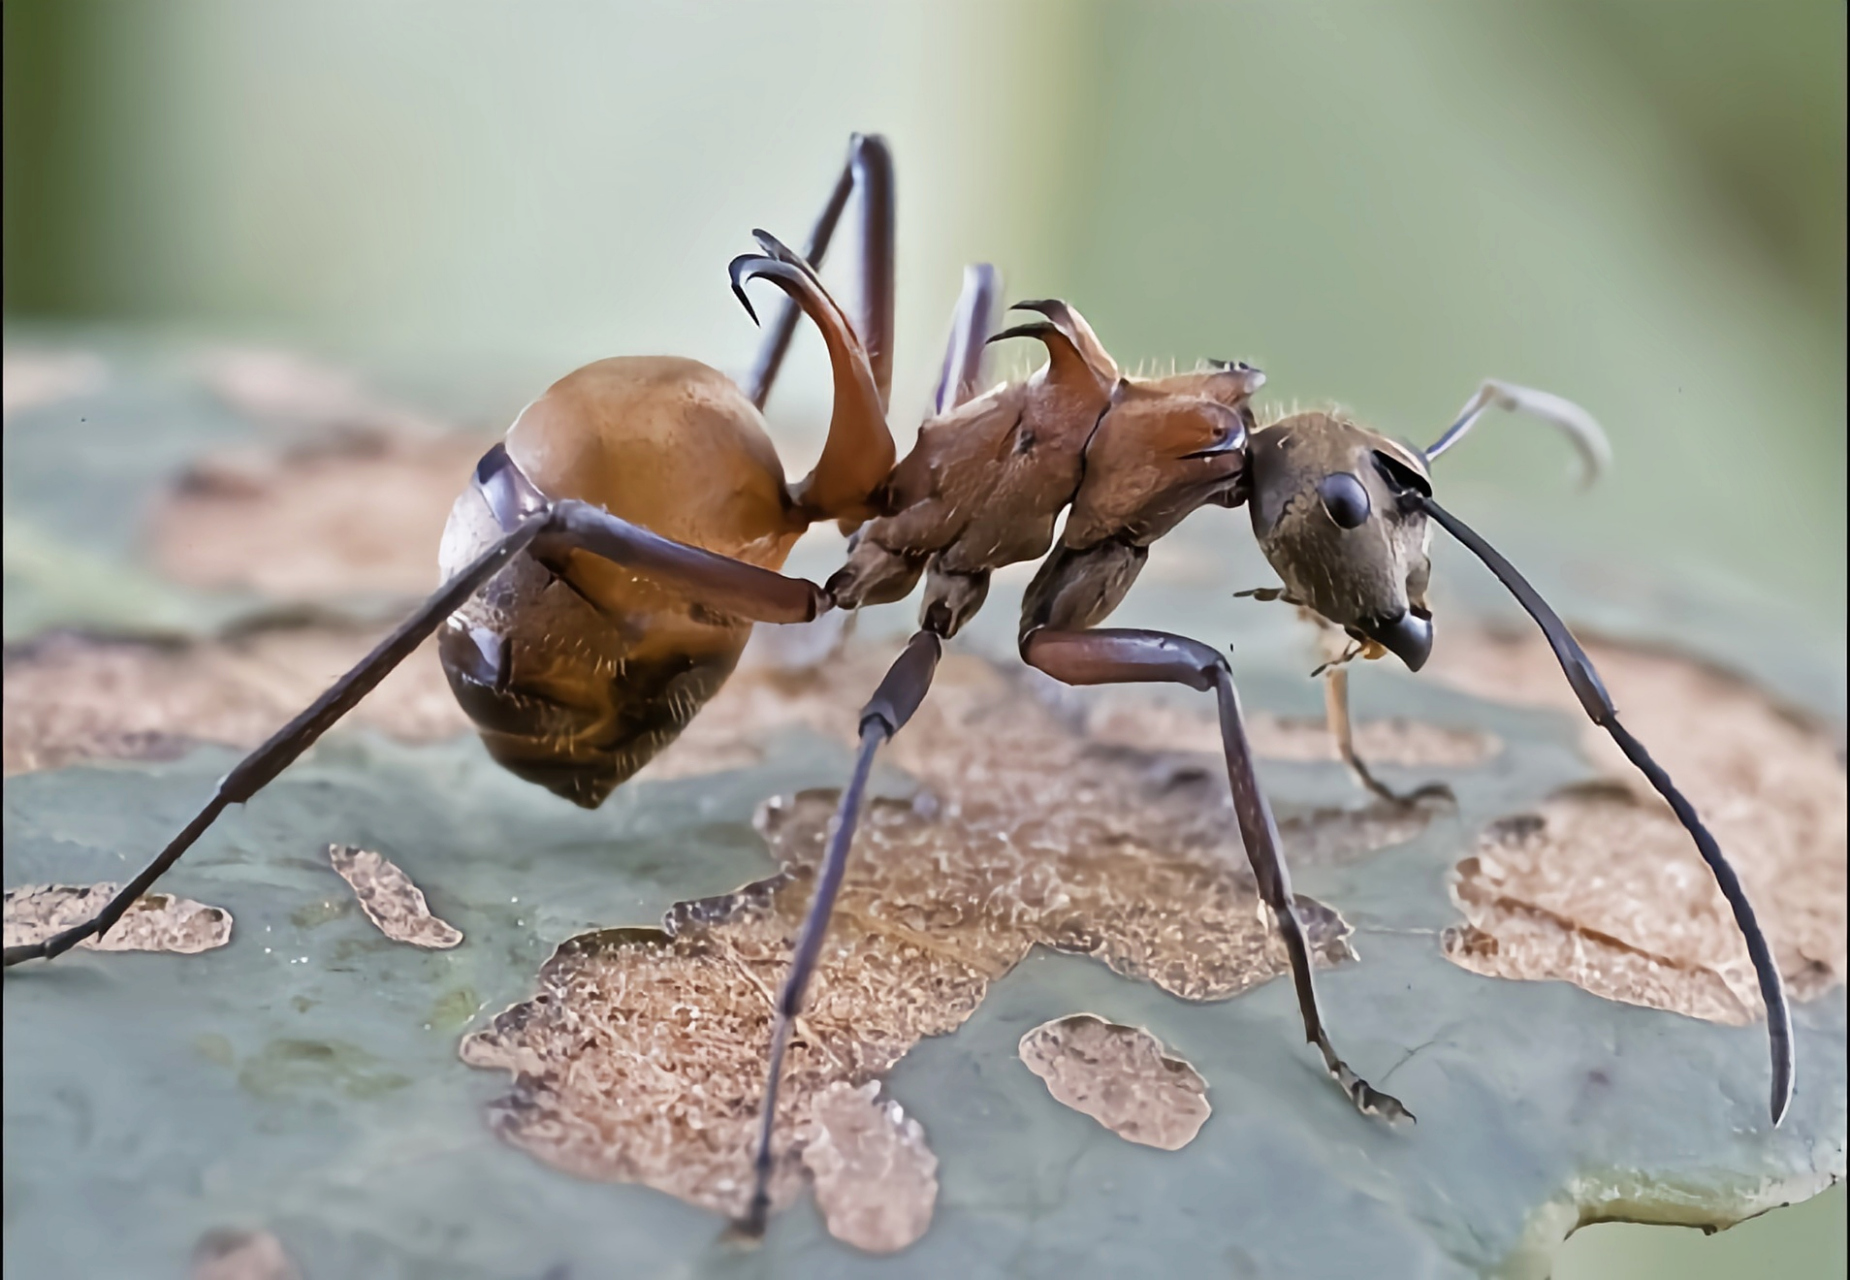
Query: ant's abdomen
578, 672
569, 698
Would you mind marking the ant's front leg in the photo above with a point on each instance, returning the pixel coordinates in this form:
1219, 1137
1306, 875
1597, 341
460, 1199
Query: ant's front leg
1338, 652
1336, 714
1128, 657
869, 170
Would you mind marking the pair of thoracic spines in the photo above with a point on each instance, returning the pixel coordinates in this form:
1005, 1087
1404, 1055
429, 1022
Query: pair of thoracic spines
859, 452
986, 483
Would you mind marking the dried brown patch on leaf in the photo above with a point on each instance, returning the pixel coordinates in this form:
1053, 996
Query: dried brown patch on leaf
876, 1179
354, 513
1029, 832
228, 1254
390, 900
1603, 887
642, 1057
70, 698
1121, 1076
1140, 880
157, 921
1539, 907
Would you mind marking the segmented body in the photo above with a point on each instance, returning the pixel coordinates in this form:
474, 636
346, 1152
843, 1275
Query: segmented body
578, 671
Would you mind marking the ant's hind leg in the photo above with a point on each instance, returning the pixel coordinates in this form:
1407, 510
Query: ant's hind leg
744, 590
256, 770
869, 170
885, 714
1129, 657
1336, 713
961, 375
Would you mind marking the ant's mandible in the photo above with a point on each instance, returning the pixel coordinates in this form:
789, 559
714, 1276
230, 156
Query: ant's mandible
604, 569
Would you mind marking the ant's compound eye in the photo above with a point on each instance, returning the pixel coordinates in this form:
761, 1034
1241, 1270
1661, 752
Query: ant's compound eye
1344, 498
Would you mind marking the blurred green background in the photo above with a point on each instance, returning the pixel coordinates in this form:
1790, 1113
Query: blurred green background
1640, 206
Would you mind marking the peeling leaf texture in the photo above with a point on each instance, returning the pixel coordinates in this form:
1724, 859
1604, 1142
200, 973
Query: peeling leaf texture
390, 899
1122, 1077
642, 1058
1602, 887
242, 1255
157, 922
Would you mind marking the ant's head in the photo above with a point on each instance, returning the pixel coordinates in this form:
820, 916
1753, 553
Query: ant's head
1335, 510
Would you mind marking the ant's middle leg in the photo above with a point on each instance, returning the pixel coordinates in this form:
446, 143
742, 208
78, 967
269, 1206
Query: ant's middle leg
885, 714
1127, 657
960, 377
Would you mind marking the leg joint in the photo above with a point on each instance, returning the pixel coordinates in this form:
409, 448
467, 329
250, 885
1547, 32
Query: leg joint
790, 997
904, 685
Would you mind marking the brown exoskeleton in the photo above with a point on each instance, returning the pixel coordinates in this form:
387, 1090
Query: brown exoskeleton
606, 565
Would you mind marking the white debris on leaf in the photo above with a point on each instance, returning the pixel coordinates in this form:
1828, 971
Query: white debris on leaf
241, 1255
1120, 1076
157, 922
390, 899
876, 1179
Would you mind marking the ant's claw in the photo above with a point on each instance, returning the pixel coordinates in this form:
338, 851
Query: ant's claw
1432, 792
747, 1232
743, 1233
1369, 1100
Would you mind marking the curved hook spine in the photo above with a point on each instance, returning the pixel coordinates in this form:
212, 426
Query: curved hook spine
859, 451
1078, 332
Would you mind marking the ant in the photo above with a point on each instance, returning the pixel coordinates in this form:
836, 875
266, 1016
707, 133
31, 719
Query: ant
605, 566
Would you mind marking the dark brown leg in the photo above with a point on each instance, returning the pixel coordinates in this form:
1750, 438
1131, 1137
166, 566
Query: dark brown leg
870, 171
1336, 712
1127, 657
730, 586
743, 589
884, 715
268, 760
972, 322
